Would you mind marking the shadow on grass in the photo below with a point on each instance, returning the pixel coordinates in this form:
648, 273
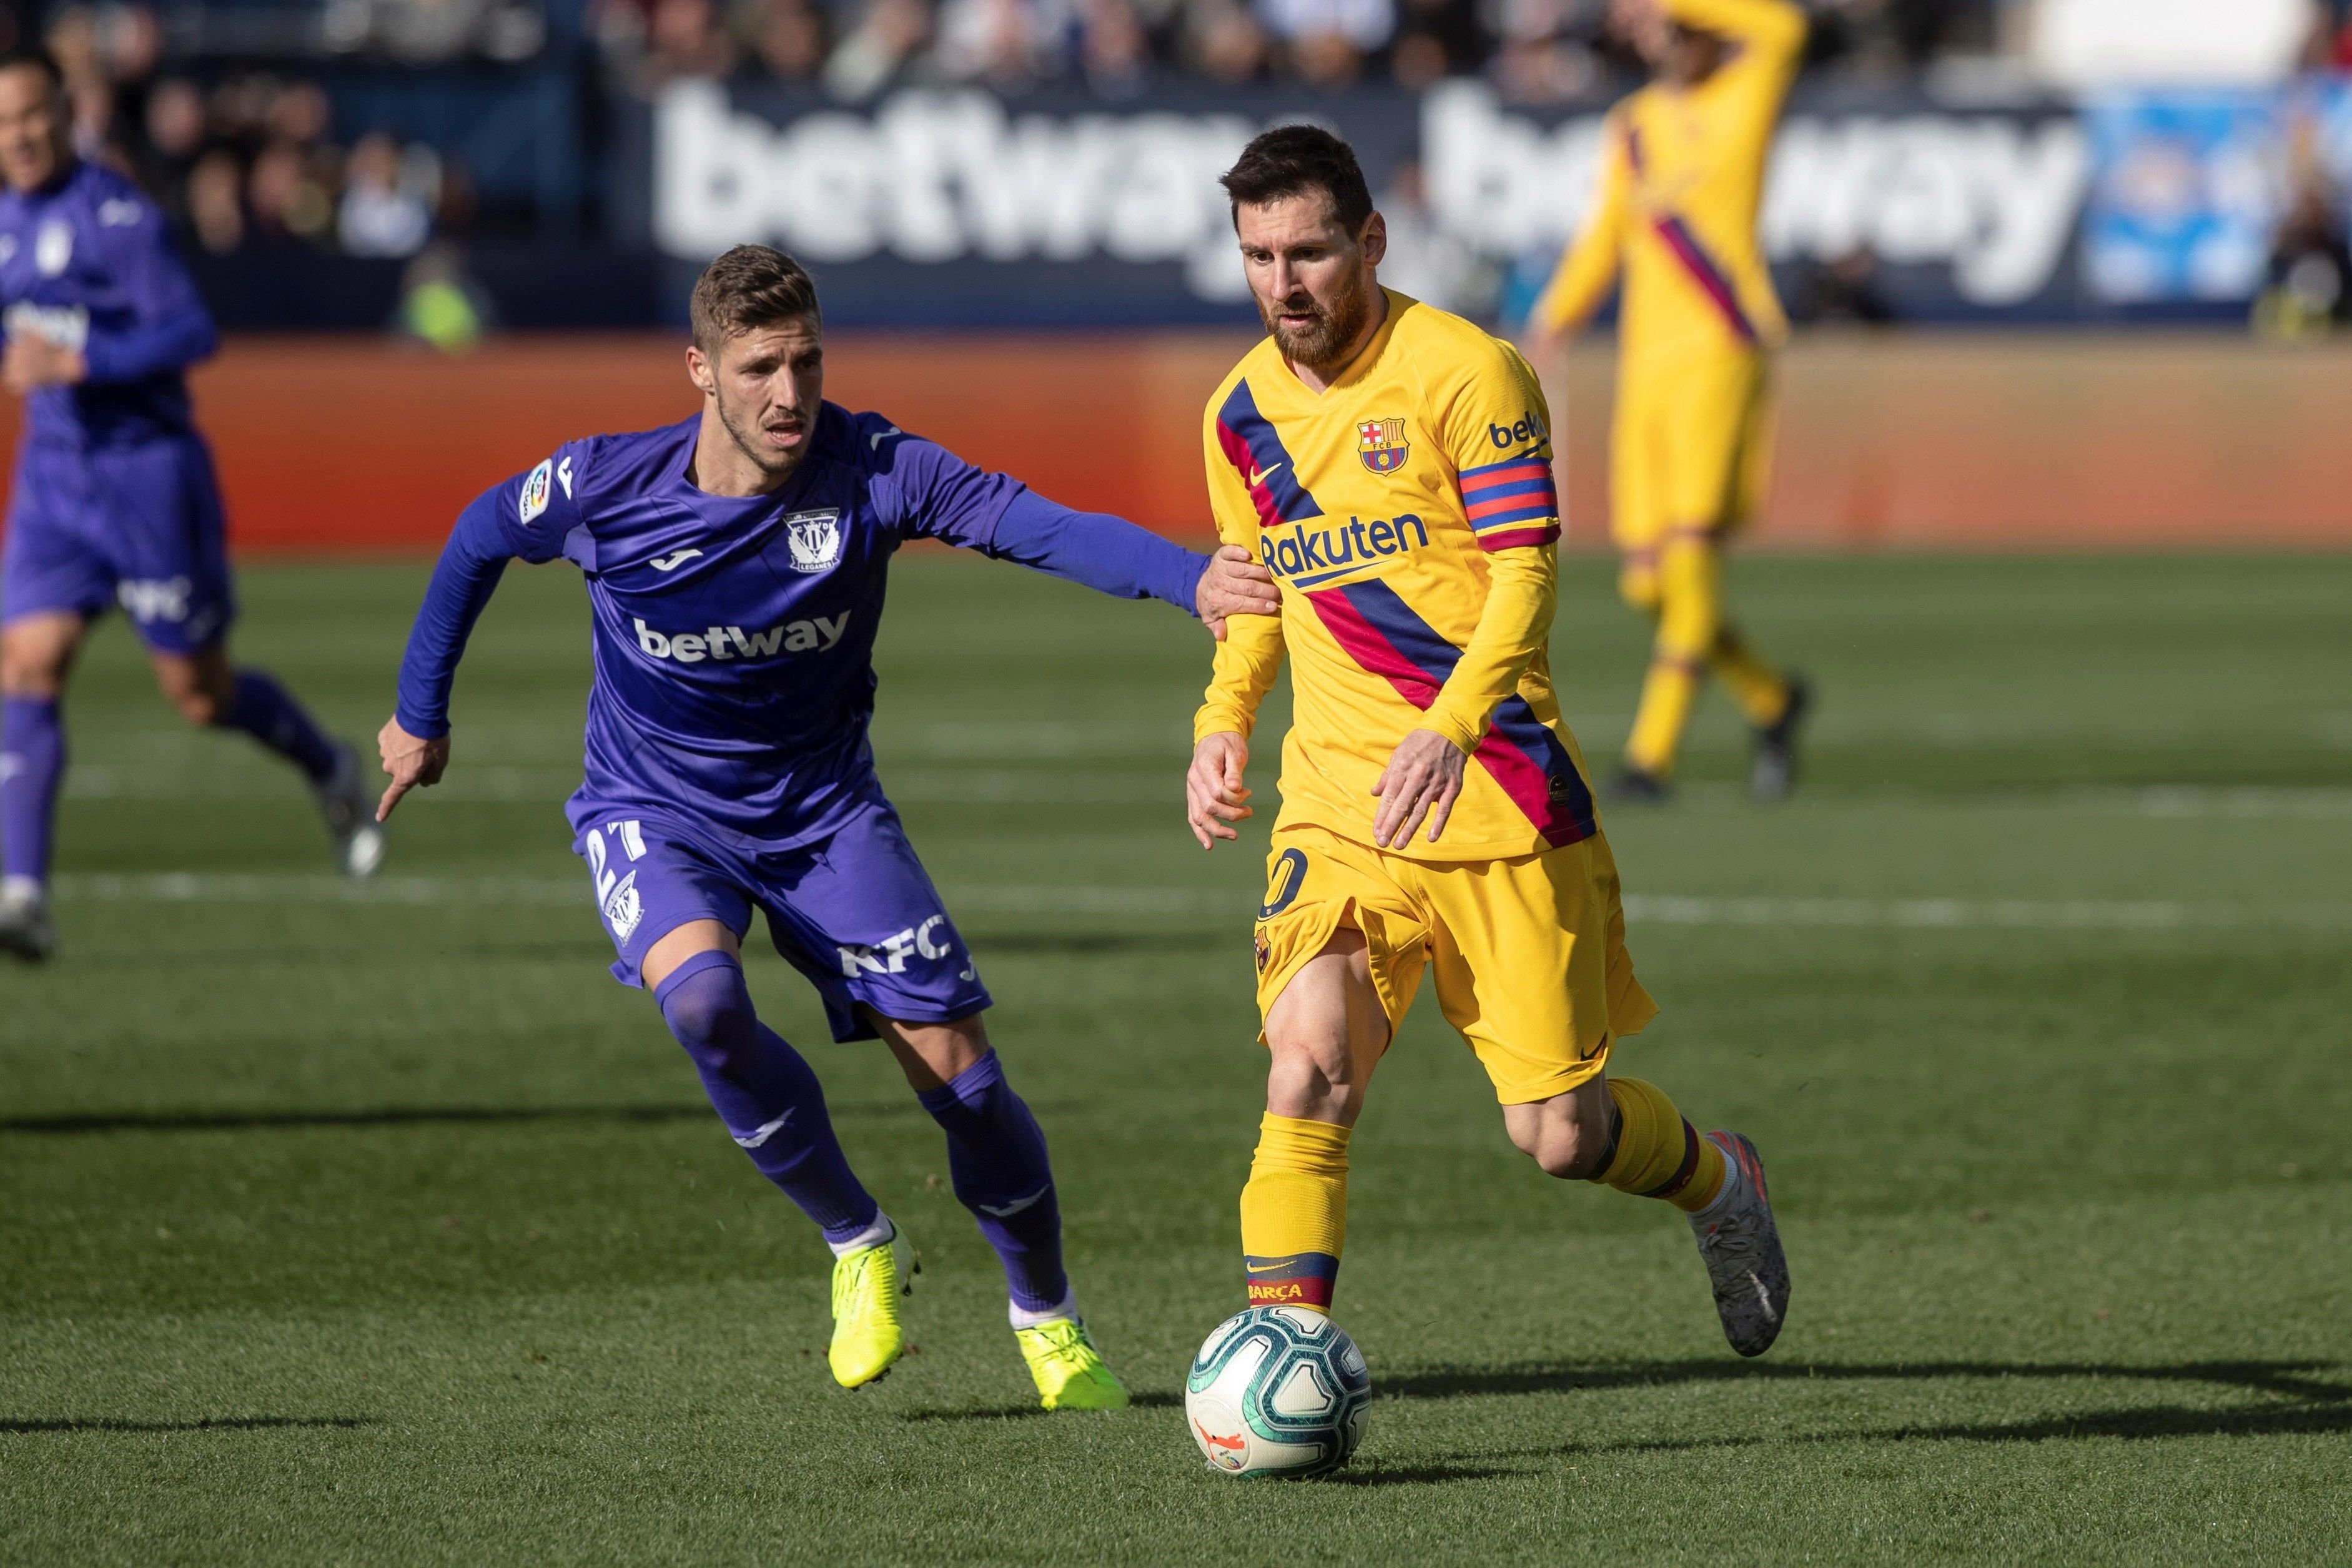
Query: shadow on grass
2153, 1421
396, 1116
2297, 1379
1024, 1412
1437, 1474
208, 1423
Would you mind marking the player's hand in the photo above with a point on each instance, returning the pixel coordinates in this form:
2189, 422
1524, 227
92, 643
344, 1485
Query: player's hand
410, 762
1423, 778
1214, 794
1235, 585
32, 362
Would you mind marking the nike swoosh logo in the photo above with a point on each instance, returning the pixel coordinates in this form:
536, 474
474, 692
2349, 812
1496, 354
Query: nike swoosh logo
1260, 476
1264, 1268
753, 1140
879, 436
672, 562
1016, 1207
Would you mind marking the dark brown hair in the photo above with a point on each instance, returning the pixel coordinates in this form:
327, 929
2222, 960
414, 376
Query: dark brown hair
1292, 159
39, 58
749, 288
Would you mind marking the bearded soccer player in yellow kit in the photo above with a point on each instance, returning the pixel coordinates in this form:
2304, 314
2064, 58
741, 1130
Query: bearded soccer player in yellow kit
1682, 175
1390, 465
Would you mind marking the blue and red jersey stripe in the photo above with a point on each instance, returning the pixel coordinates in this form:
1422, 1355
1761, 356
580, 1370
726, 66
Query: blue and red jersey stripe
1683, 246
1511, 503
1381, 632
1250, 444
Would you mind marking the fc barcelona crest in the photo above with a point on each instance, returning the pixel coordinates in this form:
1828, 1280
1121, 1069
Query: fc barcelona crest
1380, 444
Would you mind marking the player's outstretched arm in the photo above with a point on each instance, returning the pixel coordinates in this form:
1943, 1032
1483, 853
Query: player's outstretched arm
414, 742
1113, 556
936, 494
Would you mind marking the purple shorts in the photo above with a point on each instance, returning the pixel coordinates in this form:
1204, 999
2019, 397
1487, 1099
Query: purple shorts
139, 526
855, 913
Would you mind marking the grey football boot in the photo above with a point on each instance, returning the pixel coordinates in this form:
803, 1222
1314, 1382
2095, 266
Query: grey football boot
1773, 772
25, 930
350, 812
1740, 1244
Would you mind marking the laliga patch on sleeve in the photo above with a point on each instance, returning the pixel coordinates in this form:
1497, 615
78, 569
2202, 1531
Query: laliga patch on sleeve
535, 487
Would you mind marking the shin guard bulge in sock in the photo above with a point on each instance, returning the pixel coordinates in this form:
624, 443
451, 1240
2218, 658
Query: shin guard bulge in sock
997, 1160
32, 761
263, 709
764, 1092
1658, 1154
1295, 1213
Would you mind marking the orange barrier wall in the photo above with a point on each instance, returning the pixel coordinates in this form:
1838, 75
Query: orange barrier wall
355, 444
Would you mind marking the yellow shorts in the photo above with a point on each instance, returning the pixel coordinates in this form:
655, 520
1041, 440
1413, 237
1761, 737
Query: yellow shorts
1690, 452
1529, 951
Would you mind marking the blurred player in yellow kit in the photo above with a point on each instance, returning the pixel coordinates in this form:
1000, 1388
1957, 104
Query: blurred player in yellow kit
1391, 465
1681, 174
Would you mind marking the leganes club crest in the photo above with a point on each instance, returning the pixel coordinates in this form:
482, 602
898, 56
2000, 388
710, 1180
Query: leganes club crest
814, 538
1381, 444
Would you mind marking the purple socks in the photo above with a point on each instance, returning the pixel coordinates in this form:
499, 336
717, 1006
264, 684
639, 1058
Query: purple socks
764, 1092
771, 1101
262, 709
32, 761
996, 1155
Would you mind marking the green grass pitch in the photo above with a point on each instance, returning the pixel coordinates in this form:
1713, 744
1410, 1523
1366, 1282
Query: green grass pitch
389, 1229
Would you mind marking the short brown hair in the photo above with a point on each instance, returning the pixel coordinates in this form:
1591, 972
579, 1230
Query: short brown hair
1292, 159
750, 286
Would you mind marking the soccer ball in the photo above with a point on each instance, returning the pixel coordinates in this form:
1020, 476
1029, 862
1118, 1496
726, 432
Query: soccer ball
1277, 1390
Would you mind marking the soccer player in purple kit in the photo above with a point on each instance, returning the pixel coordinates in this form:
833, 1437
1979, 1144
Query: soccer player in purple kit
113, 497
736, 565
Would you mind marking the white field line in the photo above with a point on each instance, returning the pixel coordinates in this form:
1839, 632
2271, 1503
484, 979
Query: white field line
551, 786
1903, 914
1164, 785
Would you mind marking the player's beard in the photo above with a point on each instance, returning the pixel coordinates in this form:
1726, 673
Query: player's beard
1326, 342
747, 433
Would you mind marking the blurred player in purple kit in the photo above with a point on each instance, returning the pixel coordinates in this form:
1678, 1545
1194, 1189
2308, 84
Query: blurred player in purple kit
736, 565
113, 500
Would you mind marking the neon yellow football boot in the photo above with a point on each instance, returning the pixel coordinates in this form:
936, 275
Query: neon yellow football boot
1069, 1370
867, 1285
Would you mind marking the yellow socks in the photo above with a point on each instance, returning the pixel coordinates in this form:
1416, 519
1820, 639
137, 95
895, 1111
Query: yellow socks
1295, 1213
1658, 1154
1668, 694
1758, 689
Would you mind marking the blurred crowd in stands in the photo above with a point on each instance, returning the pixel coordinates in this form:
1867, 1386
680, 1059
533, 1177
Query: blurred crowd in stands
249, 160
245, 157
1534, 50
216, 105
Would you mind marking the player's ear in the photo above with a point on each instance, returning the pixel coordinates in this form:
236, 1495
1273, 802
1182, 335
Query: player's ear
698, 370
1375, 239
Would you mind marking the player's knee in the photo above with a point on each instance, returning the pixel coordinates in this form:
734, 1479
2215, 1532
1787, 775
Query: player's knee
1570, 1155
709, 1012
202, 697
1312, 1075
1567, 1138
202, 709
30, 674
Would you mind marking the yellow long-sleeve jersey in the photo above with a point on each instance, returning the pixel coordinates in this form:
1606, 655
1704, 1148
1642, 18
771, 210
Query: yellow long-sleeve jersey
1682, 178
1408, 515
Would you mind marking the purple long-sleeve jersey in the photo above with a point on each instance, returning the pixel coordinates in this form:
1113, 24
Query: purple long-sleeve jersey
87, 262
733, 637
